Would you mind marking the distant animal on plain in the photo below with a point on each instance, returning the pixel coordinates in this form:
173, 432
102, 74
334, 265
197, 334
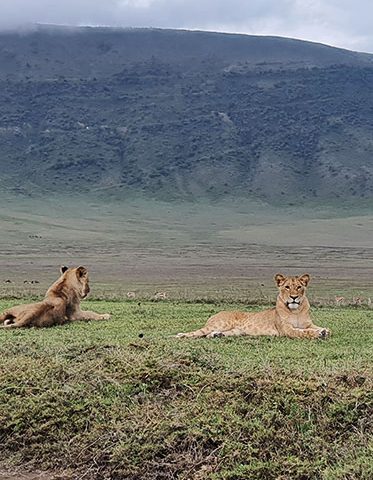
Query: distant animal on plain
60, 305
131, 295
7, 281
160, 296
357, 301
340, 300
290, 317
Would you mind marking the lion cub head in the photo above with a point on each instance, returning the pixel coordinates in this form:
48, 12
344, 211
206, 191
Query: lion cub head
292, 290
77, 279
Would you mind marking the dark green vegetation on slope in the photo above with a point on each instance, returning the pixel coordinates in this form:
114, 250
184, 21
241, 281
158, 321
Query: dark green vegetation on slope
93, 400
175, 114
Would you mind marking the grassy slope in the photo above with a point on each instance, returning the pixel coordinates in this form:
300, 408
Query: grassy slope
96, 401
184, 115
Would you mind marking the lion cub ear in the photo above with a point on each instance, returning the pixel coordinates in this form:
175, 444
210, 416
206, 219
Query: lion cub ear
305, 279
63, 269
279, 279
81, 272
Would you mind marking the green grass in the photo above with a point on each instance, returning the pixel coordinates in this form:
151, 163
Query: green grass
96, 401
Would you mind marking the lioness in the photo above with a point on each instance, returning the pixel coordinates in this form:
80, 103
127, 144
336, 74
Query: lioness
61, 303
290, 317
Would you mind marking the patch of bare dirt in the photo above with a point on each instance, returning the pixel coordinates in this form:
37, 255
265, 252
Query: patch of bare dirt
17, 475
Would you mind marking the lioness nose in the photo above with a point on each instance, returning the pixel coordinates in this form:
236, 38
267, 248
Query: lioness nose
293, 297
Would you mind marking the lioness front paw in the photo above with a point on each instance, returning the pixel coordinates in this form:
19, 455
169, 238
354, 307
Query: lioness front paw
324, 333
215, 334
106, 316
180, 335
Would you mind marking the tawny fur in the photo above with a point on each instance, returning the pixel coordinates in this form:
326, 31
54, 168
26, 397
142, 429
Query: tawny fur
290, 317
61, 304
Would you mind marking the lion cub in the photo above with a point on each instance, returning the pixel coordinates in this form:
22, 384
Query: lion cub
61, 303
289, 318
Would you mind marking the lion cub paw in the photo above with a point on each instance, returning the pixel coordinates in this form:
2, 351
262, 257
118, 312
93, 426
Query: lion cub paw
106, 316
324, 333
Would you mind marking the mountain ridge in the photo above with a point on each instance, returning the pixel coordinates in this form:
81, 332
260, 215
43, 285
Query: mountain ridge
182, 115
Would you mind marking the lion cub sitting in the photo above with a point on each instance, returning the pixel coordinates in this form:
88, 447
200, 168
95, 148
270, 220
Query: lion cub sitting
289, 318
61, 303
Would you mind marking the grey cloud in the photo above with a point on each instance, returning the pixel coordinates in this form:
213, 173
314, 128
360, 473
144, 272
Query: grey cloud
336, 22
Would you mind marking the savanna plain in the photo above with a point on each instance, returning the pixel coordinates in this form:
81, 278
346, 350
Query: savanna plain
123, 399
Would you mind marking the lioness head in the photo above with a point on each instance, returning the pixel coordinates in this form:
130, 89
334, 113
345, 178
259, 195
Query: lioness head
77, 279
292, 290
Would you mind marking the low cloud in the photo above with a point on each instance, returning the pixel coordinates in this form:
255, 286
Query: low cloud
336, 22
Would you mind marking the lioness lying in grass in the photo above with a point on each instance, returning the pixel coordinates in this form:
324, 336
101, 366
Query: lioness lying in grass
61, 303
290, 317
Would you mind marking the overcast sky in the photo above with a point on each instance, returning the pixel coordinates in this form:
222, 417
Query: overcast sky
342, 23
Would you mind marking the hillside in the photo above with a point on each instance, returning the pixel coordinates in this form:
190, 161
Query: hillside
183, 115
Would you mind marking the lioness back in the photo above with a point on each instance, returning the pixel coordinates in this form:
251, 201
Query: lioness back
61, 303
250, 322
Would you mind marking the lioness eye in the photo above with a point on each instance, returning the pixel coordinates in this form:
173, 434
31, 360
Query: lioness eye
298, 288
287, 288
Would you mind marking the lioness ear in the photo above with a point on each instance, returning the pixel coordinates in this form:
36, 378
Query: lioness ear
63, 269
81, 272
305, 279
279, 279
